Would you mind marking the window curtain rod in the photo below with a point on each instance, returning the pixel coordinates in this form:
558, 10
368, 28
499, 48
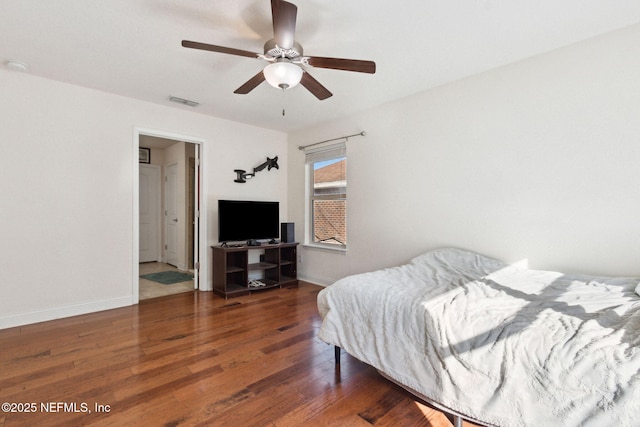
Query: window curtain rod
302, 147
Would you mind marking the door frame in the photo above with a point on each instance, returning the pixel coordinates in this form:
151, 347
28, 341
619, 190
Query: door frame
166, 223
200, 243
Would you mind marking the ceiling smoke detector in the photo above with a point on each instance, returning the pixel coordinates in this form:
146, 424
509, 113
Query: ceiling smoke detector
17, 65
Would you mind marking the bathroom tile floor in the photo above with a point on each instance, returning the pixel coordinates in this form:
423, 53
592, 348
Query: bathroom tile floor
149, 289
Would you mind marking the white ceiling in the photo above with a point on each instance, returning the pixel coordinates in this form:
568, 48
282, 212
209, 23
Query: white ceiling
132, 47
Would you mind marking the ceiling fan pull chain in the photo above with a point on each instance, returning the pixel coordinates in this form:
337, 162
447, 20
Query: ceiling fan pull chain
283, 102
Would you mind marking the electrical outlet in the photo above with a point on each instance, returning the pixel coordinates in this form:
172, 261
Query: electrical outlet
299, 258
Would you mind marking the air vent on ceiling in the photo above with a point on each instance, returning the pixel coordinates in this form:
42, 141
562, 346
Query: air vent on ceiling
183, 101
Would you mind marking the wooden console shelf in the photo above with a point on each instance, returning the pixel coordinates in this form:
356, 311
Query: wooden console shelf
277, 268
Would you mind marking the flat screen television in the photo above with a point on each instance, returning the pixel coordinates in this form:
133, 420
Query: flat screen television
244, 220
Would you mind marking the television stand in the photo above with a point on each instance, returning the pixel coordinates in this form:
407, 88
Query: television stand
278, 268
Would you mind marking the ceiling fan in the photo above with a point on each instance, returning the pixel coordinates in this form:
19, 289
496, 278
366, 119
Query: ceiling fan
286, 57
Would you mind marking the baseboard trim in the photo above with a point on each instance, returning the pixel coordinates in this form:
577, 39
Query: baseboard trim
61, 312
314, 281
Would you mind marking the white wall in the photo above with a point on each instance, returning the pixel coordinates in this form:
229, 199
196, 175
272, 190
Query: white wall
66, 165
537, 160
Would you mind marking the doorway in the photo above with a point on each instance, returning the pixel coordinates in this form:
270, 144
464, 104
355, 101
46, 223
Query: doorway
169, 230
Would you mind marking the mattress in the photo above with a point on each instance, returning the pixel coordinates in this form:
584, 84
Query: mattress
501, 344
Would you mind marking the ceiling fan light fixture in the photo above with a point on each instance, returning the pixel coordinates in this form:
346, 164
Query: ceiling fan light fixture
283, 74
287, 63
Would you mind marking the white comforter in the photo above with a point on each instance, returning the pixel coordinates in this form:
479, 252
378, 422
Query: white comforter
504, 345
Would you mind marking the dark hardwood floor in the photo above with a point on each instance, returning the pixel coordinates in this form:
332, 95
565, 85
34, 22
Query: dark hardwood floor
196, 359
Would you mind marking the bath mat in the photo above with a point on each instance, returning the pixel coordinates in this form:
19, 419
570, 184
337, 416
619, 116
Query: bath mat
168, 277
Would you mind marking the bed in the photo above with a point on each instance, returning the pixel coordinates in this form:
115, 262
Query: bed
497, 344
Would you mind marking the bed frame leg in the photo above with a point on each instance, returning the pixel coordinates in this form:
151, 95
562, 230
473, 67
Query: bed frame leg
457, 421
336, 351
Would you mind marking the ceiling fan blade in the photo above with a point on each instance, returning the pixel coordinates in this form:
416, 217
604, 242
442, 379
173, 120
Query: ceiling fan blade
220, 49
342, 64
284, 23
315, 87
251, 84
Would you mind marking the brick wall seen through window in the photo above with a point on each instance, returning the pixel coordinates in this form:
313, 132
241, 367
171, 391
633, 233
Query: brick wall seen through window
329, 202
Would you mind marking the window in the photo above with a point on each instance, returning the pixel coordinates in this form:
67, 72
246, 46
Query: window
327, 196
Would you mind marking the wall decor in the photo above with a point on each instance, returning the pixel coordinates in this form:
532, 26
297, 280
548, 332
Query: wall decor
144, 155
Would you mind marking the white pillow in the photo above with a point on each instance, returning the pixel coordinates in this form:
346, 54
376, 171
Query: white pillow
638, 289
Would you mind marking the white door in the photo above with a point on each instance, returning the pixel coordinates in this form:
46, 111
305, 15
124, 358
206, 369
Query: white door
149, 205
171, 215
